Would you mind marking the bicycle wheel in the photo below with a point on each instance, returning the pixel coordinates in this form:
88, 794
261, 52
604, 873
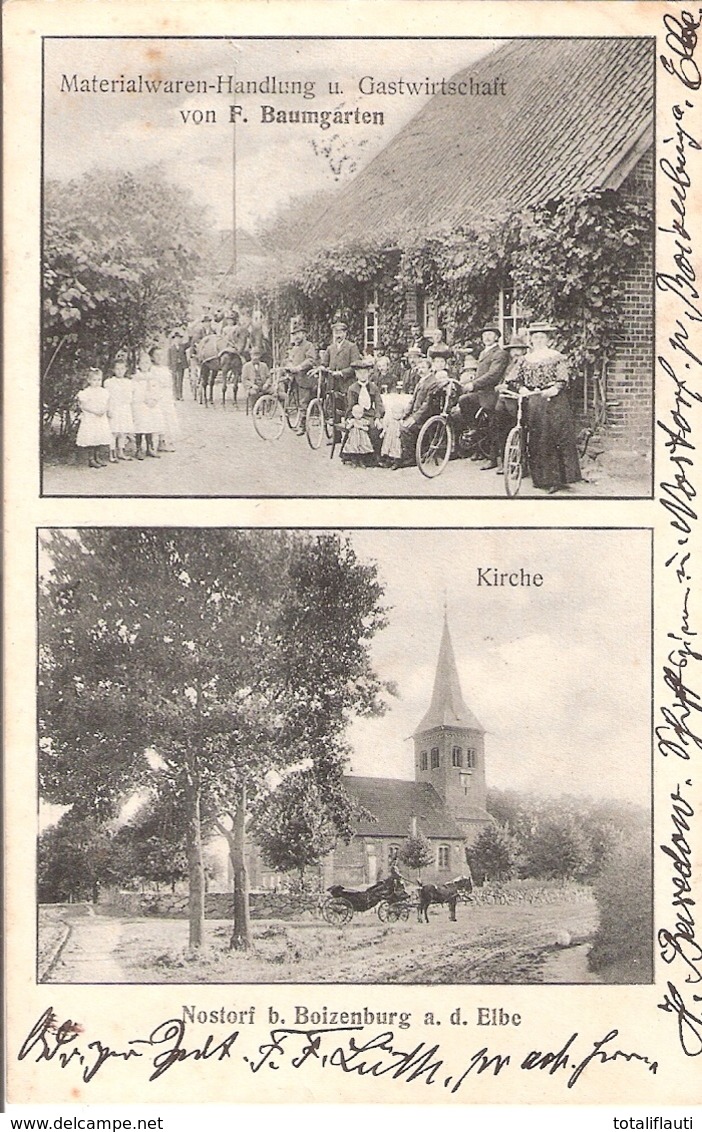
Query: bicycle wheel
293, 413
433, 448
314, 423
268, 417
514, 461
328, 414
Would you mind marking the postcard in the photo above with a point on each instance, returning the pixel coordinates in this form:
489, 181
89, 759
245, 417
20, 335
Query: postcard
351, 746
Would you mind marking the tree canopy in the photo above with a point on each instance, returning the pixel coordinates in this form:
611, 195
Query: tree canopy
198, 662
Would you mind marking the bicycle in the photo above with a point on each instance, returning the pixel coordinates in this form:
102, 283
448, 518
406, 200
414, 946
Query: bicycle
320, 416
268, 412
437, 440
515, 453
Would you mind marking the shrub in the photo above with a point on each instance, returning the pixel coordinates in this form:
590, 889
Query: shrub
623, 891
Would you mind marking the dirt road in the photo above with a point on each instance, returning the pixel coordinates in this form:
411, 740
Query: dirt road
219, 454
500, 944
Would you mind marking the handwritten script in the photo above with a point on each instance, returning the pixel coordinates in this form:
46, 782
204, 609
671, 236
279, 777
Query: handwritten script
679, 735
352, 1050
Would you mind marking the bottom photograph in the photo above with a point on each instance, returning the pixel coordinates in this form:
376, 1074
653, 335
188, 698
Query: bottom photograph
344, 756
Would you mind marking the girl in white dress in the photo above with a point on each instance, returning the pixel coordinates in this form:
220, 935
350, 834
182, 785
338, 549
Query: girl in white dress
163, 378
94, 428
120, 409
146, 410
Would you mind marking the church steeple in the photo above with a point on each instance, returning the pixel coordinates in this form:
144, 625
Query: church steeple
449, 746
447, 707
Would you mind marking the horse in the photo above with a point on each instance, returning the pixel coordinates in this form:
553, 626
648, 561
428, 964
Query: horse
443, 894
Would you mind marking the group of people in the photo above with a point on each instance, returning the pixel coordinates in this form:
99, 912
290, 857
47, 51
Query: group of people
389, 397
130, 414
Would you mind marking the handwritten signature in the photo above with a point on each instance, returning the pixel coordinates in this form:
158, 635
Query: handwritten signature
345, 1049
682, 41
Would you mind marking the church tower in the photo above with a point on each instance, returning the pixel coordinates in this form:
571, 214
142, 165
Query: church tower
449, 747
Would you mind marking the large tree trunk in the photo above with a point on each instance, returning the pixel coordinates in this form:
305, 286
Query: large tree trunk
241, 930
196, 870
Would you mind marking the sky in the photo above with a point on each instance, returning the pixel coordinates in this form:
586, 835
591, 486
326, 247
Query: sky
558, 676
274, 163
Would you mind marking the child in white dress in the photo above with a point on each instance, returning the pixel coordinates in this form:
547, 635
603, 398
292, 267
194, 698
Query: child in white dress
94, 428
146, 410
163, 379
120, 408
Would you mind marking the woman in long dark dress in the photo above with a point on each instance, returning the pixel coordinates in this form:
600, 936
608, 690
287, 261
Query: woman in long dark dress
553, 451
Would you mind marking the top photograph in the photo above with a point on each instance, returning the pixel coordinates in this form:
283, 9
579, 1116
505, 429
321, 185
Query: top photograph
343, 267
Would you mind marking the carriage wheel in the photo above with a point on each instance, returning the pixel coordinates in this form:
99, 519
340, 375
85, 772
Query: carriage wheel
403, 911
433, 447
514, 461
383, 911
293, 412
328, 406
337, 912
268, 417
314, 423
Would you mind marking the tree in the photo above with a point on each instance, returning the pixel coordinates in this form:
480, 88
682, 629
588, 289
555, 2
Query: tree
416, 853
558, 850
74, 859
494, 855
150, 847
120, 252
294, 827
196, 663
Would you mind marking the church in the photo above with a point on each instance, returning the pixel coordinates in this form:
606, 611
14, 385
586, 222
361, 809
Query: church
444, 802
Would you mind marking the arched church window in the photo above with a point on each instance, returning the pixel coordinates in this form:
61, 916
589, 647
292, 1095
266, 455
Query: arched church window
457, 756
444, 856
435, 758
423, 763
470, 758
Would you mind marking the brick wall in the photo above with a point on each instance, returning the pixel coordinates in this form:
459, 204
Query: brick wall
630, 376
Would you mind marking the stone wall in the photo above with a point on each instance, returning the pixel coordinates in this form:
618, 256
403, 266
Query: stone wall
218, 905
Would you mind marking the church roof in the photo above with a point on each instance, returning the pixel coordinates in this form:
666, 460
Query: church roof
447, 707
574, 115
395, 802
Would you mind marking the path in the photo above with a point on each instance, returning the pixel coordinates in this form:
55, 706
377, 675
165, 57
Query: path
219, 454
88, 955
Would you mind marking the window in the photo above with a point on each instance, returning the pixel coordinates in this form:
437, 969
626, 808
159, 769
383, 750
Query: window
465, 783
423, 764
431, 315
444, 856
434, 758
470, 758
510, 315
370, 326
457, 756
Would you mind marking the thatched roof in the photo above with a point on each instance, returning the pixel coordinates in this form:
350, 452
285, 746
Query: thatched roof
576, 115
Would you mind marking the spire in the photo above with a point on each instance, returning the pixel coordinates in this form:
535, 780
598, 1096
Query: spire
447, 708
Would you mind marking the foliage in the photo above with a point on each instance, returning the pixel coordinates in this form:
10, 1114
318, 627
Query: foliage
624, 895
119, 253
565, 836
416, 853
294, 827
74, 858
493, 856
150, 847
566, 260
198, 662
570, 264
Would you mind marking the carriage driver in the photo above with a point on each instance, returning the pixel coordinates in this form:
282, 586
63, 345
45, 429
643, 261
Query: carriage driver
301, 358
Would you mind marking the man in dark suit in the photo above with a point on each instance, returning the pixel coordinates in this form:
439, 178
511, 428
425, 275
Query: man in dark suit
480, 392
301, 358
341, 355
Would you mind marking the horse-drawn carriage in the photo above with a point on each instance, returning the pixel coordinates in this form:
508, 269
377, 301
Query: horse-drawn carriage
389, 897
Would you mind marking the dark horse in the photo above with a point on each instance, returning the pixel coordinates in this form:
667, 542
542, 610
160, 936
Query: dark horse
443, 894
